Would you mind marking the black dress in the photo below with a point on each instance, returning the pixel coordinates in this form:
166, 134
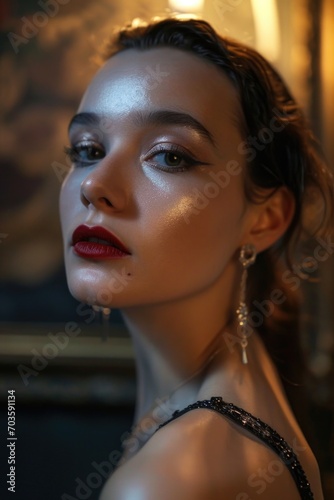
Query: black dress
262, 431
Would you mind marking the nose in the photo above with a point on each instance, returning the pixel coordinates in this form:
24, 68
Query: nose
104, 188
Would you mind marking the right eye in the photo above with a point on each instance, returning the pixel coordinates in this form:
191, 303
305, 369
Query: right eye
85, 153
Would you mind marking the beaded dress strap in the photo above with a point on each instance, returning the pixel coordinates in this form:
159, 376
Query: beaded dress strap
262, 431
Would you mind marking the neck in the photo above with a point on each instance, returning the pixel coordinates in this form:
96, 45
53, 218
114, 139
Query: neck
174, 343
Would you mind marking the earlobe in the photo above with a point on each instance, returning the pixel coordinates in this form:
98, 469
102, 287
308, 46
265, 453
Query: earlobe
273, 219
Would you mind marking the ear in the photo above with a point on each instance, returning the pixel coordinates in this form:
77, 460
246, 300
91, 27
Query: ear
271, 219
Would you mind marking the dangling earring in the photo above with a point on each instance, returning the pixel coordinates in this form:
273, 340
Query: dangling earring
104, 314
247, 258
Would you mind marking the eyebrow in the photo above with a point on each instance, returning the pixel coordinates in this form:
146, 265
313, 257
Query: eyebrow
156, 118
169, 117
84, 119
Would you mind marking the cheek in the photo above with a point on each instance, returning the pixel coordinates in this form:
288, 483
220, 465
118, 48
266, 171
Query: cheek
192, 236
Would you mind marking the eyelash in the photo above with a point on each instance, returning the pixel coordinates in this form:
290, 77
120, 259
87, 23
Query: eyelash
73, 153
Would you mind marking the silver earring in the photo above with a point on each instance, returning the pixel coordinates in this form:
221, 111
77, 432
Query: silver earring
104, 314
247, 258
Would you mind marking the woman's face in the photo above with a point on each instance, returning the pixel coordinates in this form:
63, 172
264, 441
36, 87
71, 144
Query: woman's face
156, 163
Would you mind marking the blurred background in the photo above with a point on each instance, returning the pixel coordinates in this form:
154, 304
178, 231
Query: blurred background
73, 407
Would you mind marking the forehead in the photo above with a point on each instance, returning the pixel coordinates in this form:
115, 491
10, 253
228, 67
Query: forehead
163, 78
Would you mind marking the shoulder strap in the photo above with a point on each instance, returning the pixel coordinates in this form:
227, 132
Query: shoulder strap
262, 431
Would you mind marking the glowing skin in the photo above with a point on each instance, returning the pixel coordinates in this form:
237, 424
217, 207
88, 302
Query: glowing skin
178, 287
181, 276
149, 208
182, 264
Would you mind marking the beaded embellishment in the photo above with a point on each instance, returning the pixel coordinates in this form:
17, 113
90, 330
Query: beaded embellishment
262, 431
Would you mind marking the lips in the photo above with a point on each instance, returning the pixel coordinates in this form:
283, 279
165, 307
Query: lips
97, 243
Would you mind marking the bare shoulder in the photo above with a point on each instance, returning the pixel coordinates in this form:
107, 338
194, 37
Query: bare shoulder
202, 456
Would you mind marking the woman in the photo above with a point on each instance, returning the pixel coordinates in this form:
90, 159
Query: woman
192, 165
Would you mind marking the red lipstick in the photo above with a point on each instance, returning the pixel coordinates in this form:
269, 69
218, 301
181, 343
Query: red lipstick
97, 243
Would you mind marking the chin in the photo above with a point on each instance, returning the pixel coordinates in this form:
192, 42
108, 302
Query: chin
81, 292
96, 287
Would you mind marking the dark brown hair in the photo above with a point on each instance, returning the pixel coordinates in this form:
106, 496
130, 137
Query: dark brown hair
290, 157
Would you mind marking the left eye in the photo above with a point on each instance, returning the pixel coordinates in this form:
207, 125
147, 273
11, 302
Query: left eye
171, 160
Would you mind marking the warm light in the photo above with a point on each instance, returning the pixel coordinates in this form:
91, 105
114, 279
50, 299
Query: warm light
194, 6
266, 28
